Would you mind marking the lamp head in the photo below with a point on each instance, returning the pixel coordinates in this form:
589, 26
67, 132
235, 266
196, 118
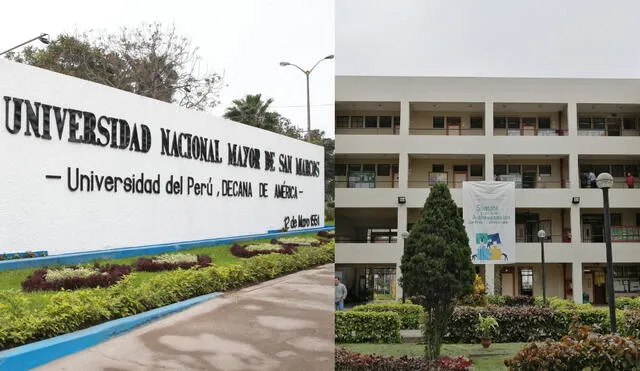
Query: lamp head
283, 64
604, 180
44, 38
542, 233
404, 234
329, 56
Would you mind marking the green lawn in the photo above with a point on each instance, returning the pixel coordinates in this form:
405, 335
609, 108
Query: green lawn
483, 359
11, 280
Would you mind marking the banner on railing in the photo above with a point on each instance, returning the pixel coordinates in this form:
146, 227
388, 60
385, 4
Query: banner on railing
489, 210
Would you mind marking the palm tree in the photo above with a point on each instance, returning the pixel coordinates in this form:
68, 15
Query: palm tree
251, 110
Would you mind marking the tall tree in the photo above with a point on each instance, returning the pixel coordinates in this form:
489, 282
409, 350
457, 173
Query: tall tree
436, 266
329, 144
149, 60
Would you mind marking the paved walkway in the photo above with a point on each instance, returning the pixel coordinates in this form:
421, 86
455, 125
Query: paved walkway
283, 324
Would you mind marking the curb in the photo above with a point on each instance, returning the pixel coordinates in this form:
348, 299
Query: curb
32, 355
128, 252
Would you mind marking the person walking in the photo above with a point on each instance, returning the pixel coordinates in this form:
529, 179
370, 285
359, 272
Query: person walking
341, 294
630, 181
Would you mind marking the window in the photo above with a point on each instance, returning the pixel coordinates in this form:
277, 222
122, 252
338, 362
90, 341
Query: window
357, 122
460, 168
529, 120
341, 170
584, 123
438, 122
396, 120
355, 167
544, 170
633, 169
385, 121
369, 167
437, 168
394, 168
453, 120
598, 123
342, 121
544, 123
476, 170
384, 169
371, 121
499, 122
513, 122
500, 169
599, 169
617, 170
526, 281
629, 123
514, 169
476, 122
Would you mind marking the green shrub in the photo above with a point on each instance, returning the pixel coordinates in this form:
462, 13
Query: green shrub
70, 311
630, 323
631, 303
411, 315
581, 350
496, 299
367, 327
474, 300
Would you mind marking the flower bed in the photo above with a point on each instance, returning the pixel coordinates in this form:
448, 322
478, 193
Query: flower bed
325, 234
69, 311
166, 262
299, 241
75, 277
351, 361
247, 251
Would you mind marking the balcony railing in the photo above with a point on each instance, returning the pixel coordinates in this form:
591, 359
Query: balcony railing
452, 131
368, 131
619, 233
531, 132
618, 183
608, 132
376, 184
374, 239
538, 184
533, 238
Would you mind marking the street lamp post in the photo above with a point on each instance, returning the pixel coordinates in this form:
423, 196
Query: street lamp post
604, 182
307, 73
541, 235
44, 38
405, 235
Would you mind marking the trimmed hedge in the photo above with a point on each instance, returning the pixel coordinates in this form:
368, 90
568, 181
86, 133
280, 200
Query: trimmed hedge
411, 315
367, 327
242, 252
351, 361
70, 311
149, 265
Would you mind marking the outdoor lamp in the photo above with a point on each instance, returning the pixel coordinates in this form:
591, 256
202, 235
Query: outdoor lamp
402, 200
43, 38
541, 236
604, 181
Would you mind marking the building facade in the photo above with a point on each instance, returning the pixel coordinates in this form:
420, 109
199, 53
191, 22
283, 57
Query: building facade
396, 136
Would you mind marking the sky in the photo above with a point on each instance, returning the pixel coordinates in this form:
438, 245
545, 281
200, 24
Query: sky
491, 38
243, 39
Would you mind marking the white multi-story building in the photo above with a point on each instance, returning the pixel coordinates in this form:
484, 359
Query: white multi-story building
395, 136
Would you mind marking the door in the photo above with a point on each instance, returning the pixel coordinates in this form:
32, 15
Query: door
458, 178
587, 284
508, 288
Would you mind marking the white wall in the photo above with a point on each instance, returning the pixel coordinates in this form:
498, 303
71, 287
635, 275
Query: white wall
44, 214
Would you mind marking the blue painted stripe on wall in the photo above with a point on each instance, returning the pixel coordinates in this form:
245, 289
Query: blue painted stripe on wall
128, 252
36, 354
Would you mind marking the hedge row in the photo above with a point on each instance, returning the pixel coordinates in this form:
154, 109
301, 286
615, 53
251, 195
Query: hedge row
352, 361
70, 311
411, 315
367, 327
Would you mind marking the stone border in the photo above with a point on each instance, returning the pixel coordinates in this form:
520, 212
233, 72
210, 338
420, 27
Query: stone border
32, 355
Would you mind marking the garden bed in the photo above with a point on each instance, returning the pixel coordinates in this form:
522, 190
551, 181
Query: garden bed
75, 277
167, 262
248, 251
26, 317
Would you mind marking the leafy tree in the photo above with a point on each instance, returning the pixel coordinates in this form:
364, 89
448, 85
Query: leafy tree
329, 144
436, 266
147, 60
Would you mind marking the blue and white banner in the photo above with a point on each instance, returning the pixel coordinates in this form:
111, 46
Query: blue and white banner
489, 210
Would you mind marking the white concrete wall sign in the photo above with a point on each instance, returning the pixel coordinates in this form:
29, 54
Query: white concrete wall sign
85, 167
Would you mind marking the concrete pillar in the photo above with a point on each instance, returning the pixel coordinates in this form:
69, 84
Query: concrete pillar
576, 227
488, 166
574, 172
398, 287
488, 118
490, 278
572, 119
576, 278
403, 173
405, 117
